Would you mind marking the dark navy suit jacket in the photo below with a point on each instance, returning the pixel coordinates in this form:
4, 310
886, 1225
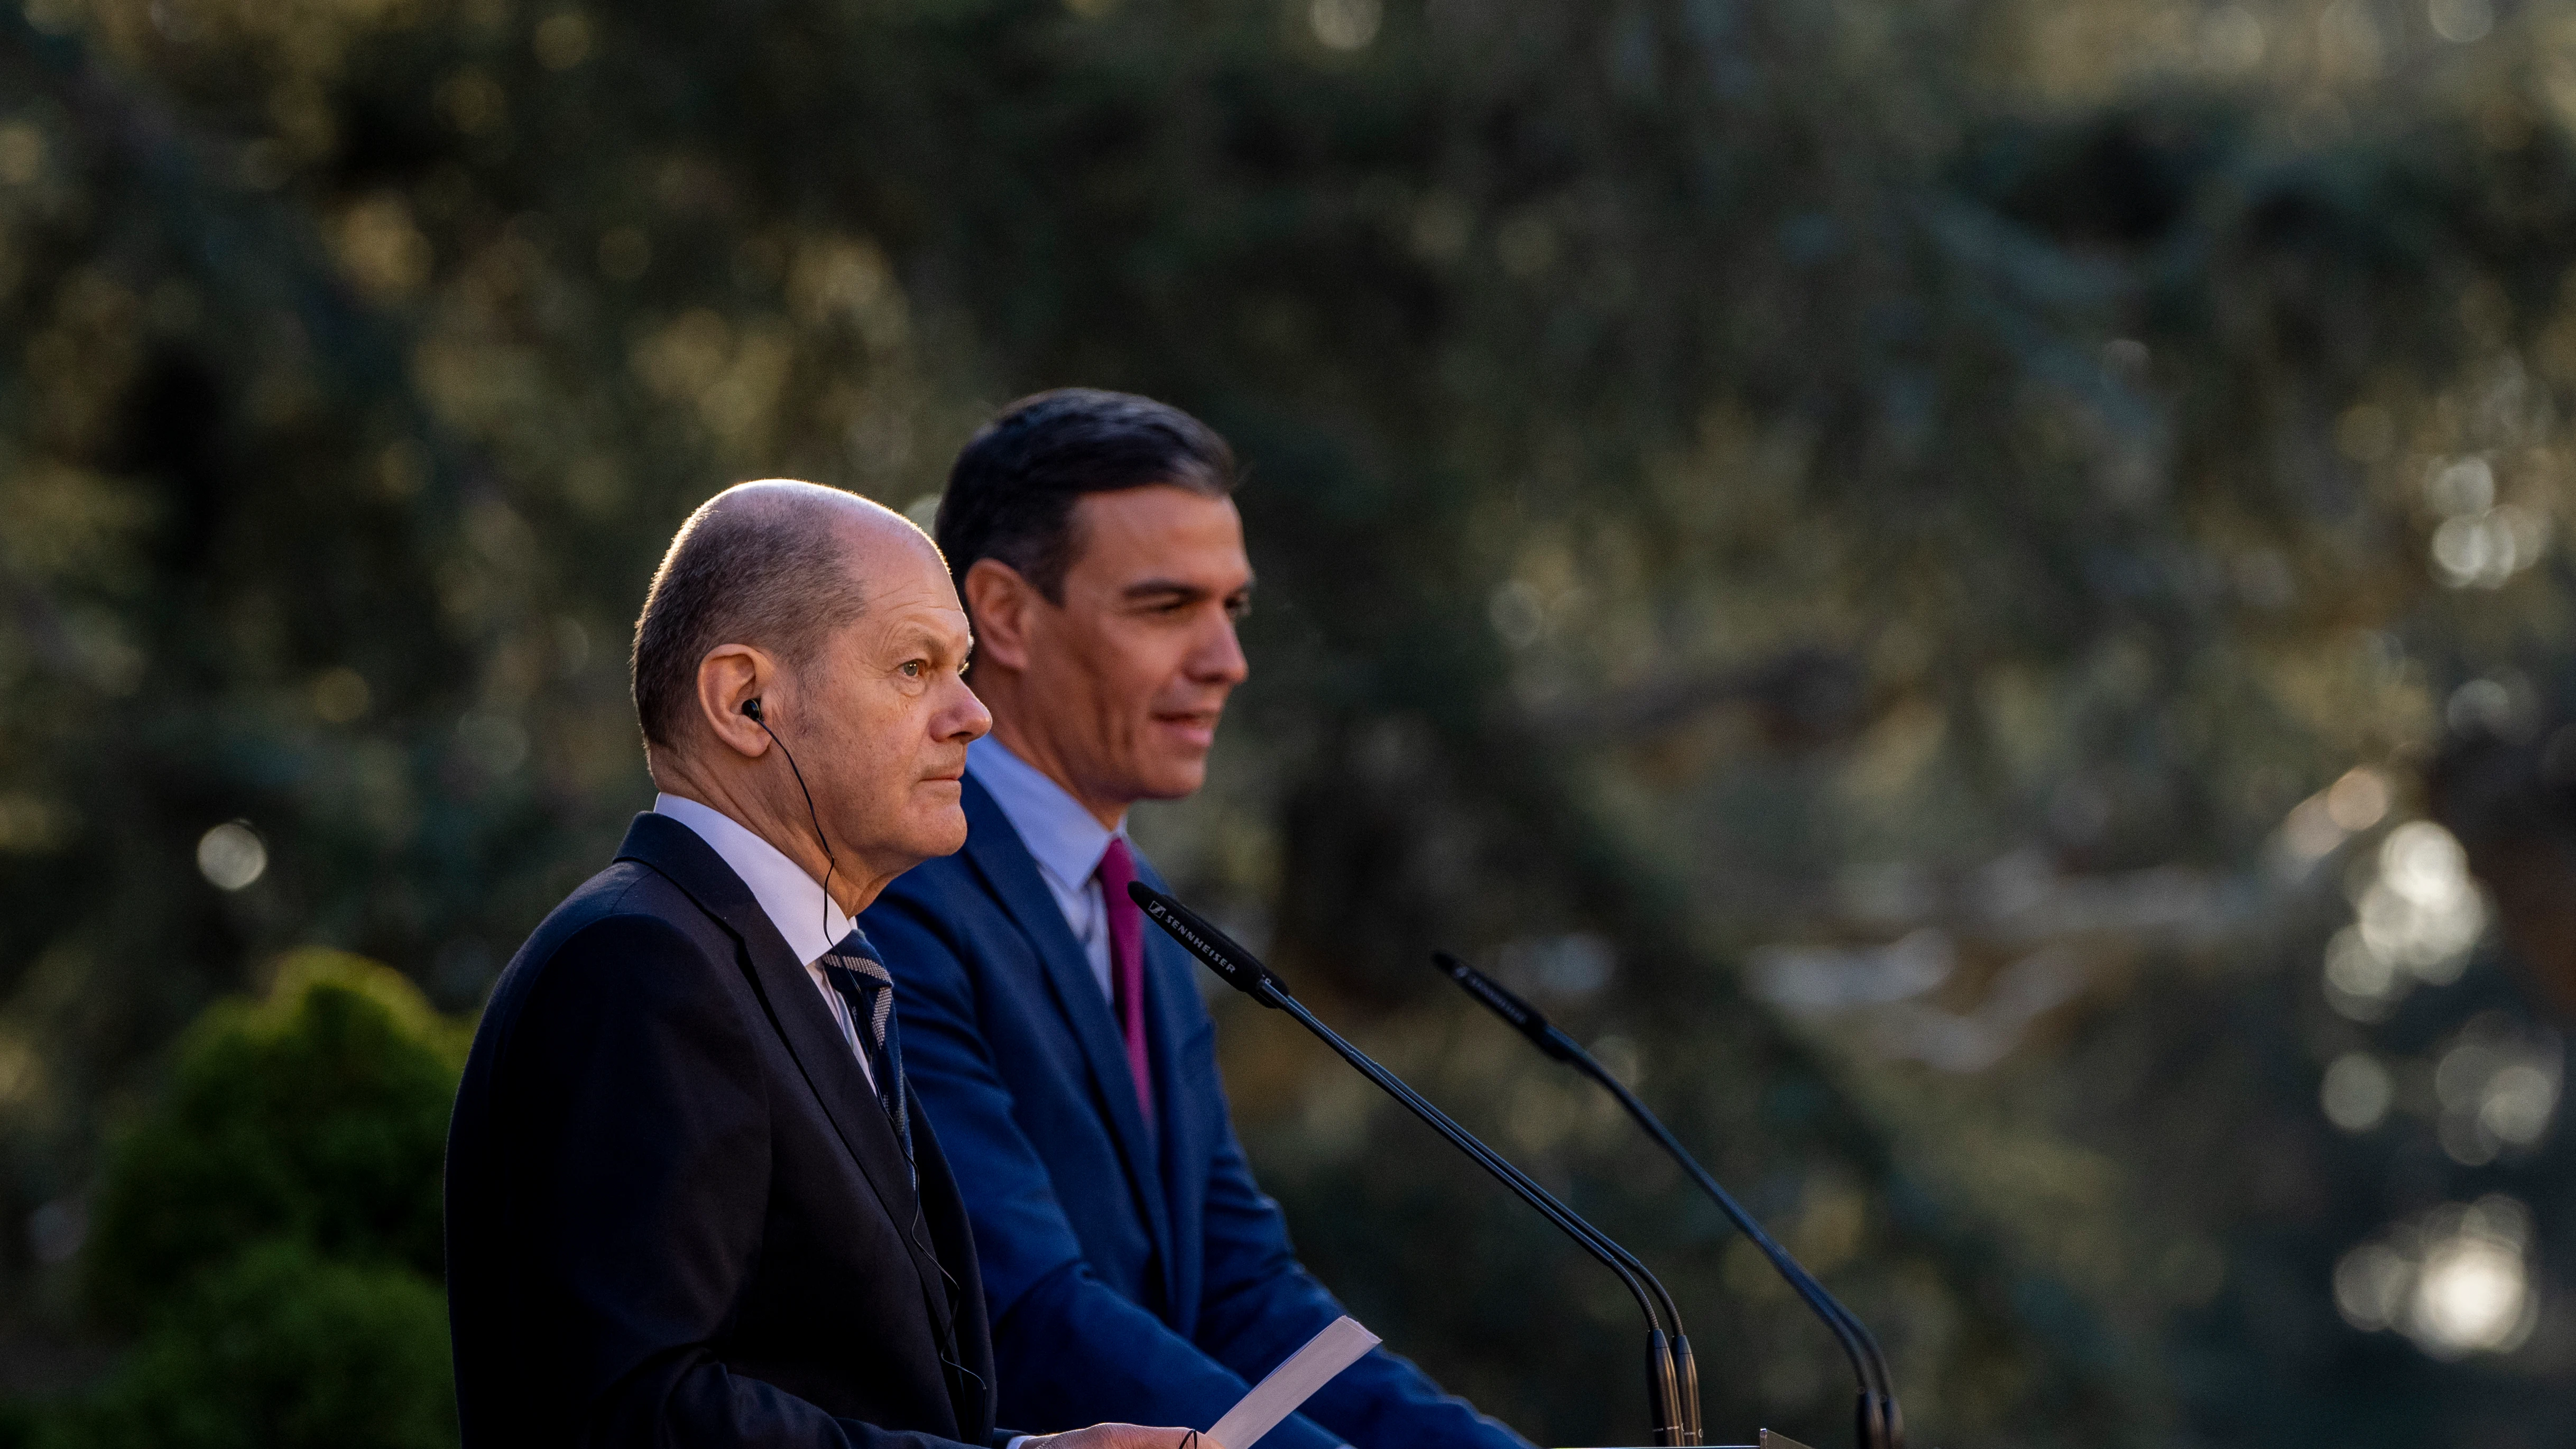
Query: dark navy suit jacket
1132, 1274
676, 1214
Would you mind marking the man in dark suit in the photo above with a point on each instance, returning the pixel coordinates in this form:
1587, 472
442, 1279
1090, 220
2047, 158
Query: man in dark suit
1132, 1266
690, 1201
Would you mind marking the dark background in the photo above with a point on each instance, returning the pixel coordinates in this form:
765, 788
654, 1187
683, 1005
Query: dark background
1946, 580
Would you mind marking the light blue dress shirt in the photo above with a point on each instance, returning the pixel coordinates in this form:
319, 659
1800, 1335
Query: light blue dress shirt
1067, 841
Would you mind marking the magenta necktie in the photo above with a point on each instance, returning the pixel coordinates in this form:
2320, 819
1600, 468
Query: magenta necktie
1127, 966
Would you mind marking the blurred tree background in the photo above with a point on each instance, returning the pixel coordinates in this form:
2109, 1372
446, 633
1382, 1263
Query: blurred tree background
1976, 590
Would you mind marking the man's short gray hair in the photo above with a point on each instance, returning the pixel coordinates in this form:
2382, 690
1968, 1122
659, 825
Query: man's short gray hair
770, 570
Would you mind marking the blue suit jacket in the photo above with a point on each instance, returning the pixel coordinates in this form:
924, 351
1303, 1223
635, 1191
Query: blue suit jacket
1132, 1274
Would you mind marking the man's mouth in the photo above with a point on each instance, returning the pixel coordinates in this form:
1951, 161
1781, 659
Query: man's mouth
1198, 725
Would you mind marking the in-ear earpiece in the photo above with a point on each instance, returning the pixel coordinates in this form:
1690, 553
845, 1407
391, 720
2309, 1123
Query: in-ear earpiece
751, 708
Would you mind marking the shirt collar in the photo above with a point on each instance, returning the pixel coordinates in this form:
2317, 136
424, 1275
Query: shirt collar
795, 902
1065, 838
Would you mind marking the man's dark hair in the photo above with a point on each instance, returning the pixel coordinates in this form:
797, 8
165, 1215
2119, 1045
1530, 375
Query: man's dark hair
1012, 491
770, 570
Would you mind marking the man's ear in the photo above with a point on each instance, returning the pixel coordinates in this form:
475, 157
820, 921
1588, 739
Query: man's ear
999, 599
729, 677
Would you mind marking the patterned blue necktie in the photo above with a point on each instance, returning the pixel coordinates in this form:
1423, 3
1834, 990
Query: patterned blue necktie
860, 976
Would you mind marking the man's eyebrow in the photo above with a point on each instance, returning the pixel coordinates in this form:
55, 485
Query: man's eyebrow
1151, 588
907, 637
1180, 588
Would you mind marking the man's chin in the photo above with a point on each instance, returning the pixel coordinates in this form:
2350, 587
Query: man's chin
940, 832
1172, 779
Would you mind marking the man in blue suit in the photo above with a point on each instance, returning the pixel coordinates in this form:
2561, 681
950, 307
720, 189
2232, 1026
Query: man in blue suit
1132, 1268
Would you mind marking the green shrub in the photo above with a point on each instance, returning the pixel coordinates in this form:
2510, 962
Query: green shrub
270, 1231
316, 1116
281, 1348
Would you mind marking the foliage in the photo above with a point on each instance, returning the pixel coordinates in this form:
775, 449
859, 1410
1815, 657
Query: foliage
280, 1346
1854, 550
317, 1117
271, 1227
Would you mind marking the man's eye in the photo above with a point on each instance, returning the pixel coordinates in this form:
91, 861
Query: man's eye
912, 669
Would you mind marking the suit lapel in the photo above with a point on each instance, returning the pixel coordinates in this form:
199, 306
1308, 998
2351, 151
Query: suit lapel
997, 853
796, 1011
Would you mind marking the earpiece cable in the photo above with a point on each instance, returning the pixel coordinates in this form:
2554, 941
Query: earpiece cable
751, 711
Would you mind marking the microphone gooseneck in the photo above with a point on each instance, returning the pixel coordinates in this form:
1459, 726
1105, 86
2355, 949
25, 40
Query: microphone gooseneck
1881, 1422
1673, 1417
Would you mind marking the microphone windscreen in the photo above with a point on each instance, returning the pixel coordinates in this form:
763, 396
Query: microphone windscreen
1502, 1001
1222, 955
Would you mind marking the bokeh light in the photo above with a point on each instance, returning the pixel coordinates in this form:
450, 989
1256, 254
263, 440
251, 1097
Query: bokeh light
231, 855
2417, 914
2357, 1092
1346, 24
2456, 1279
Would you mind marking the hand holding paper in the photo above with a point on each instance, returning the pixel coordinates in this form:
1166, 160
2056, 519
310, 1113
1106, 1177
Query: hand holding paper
1342, 1343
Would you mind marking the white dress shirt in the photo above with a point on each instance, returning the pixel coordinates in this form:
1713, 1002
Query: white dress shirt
1067, 841
795, 902
801, 910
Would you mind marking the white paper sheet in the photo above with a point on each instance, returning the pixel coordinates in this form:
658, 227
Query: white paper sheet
1340, 1345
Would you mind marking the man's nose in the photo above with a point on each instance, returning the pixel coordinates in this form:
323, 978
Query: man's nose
1219, 658
965, 716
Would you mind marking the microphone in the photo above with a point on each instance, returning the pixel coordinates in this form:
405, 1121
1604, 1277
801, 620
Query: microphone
1672, 1387
1882, 1423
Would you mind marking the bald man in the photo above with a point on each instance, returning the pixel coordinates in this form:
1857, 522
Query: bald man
690, 1199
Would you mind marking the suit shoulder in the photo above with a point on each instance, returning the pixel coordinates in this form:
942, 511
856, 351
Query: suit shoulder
629, 892
937, 879
625, 917
944, 898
